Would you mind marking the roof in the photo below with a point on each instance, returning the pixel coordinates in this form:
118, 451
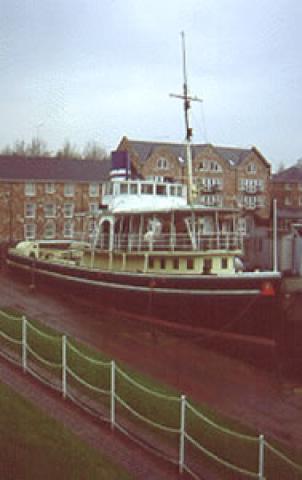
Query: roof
289, 175
18, 168
233, 155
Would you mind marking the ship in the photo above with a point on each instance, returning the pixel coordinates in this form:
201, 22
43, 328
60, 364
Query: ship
157, 254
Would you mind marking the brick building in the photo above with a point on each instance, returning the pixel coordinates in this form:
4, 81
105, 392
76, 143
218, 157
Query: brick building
45, 198
286, 188
222, 176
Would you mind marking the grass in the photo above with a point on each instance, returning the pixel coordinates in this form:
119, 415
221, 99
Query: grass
243, 453
34, 446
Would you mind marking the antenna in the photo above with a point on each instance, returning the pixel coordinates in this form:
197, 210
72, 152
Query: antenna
187, 99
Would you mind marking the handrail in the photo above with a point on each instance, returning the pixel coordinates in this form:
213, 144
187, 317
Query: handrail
173, 243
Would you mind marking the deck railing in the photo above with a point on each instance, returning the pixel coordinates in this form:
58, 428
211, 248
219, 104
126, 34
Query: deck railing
166, 242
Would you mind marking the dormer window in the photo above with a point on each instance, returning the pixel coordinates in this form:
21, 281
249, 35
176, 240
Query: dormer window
252, 168
162, 163
209, 165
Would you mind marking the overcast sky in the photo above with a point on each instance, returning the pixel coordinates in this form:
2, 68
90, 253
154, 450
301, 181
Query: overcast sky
100, 69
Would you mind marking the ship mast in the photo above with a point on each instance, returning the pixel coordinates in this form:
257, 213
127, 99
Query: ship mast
187, 99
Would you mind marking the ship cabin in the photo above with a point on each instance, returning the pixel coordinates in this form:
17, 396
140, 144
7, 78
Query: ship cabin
148, 227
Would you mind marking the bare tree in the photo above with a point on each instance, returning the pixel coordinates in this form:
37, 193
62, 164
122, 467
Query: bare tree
37, 148
68, 151
94, 151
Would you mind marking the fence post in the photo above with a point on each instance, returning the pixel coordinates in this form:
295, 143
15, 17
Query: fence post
261, 457
112, 410
64, 363
24, 343
182, 433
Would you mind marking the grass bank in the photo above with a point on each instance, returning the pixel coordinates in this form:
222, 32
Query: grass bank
34, 446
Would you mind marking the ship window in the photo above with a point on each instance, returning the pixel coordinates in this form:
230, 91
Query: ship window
124, 188
151, 262
147, 189
190, 263
176, 263
161, 190
133, 188
224, 263
207, 266
162, 263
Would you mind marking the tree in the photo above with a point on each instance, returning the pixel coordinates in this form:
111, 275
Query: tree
94, 151
68, 151
19, 148
37, 148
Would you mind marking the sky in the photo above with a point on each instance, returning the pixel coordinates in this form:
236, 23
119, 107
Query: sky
97, 70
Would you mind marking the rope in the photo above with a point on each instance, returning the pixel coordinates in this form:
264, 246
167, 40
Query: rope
10, 358
145, 445
88, 385
145, 389
190, 472
222, 429
284, 457
10, 339
96, 362
43, 380
145, 419
86, 408
243, 471
42, 334
10, 317
43, 360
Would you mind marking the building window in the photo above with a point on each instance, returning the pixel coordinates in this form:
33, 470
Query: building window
162, 163
49, 210
252, 168
209, 184
30, 189
68, 210
242, 225
50, 230
209, 165
69, 189
93, 209
94, 190
250, 201
287, 201
68, 229
29, 231
287, 186
211, 200
30, 210
49, 188
91, 227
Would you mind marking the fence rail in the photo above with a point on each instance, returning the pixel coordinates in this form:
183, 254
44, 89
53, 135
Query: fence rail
69, 383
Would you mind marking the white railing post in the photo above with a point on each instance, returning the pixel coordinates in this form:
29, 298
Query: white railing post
182, 433
261, 458
64, 364
112, 403
24, 343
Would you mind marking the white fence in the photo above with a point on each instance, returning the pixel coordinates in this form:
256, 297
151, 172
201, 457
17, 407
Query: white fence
67, 381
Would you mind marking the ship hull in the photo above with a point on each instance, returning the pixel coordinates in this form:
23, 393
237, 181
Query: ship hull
247, 304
